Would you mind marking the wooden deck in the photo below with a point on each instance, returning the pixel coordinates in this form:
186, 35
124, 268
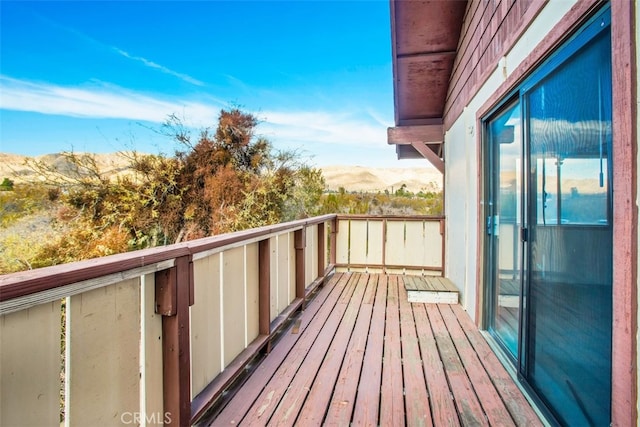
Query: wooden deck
361, 354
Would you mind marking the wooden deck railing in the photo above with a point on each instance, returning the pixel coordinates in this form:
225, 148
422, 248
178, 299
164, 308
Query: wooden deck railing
392, 244
154, 336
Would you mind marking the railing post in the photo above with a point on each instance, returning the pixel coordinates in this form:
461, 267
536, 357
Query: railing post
333, 241
173, 297
384, 245
442, 229
321, 249
264, 287
300, 242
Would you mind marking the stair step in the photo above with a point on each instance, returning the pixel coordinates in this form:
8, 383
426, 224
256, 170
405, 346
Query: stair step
431, 289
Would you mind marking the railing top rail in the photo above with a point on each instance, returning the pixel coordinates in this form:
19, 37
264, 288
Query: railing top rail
24, 283
393, 217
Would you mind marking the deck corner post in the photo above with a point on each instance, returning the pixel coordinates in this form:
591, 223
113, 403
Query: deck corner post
300, 243
173, 297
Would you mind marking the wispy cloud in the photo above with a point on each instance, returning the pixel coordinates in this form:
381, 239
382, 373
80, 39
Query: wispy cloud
98, 100
312, 130
320, 127
97, 43
159, 67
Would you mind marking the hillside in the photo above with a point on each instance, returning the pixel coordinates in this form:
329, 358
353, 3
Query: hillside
351, 178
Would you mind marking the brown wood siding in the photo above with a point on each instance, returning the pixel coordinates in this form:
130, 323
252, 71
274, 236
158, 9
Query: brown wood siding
489, 31
625, 268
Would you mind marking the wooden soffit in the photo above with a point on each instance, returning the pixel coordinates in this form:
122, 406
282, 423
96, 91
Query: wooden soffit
425, 37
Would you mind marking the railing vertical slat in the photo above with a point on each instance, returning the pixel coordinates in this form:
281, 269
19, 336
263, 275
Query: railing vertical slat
175, 332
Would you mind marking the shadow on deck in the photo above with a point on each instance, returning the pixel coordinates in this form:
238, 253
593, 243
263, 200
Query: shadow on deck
361, 354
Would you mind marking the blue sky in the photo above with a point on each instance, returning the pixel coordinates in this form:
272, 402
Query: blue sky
103, 76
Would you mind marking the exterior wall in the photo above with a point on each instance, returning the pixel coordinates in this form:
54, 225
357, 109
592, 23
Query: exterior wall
490, 28
462, 169
547, 29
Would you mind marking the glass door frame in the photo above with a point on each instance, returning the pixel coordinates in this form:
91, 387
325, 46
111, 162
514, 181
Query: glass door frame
490, 154
599, 21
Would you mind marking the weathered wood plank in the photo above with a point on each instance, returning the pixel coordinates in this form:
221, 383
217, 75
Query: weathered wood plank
522, 413
318, 309
432, 297
415, 388
268, 401
321, 366
391, 399
467, 404
366, 409
336, 376
489, 398
442, 406
313, 379
344, 395
432, 289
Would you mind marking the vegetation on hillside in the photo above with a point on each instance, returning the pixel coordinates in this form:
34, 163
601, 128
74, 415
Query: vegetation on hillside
216, 182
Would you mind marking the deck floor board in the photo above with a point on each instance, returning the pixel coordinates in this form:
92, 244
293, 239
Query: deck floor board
364, 355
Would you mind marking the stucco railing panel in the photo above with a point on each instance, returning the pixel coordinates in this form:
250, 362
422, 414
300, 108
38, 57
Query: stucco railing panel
30, 366
233, 306
414, 244
274, 290
284, 267
206, 323
375, 243
252, 293
291, 269
343, 239
151, 386
358, 246
311, 254
102, 371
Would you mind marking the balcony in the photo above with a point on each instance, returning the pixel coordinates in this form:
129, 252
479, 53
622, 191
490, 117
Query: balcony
306, 322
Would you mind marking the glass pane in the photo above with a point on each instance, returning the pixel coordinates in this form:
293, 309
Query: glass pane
506, 144
569, 304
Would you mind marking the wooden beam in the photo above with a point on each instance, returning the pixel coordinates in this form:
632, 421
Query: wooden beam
300, 242
429, 155
333, 242
410, 134
322, 251
264, 286
175, 341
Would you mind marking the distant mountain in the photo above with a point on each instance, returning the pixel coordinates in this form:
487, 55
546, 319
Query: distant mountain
359, 178
351, 178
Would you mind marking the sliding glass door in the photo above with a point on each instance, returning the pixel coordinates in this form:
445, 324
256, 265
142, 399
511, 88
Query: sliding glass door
504, 151
549, 228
